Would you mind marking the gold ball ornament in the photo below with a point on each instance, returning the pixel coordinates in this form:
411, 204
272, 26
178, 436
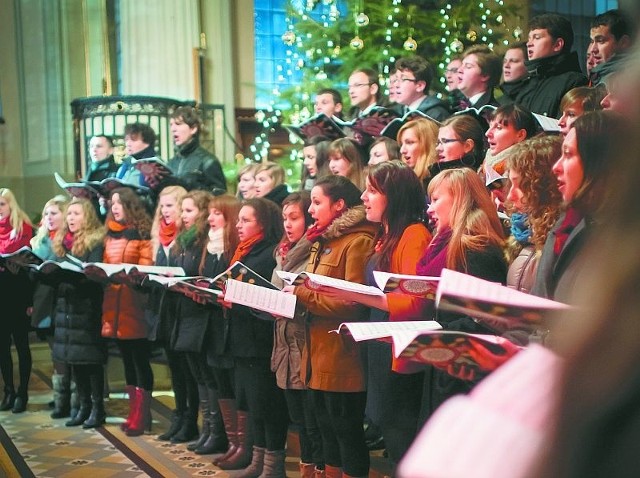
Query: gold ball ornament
410, 44
288, 38
517, 33
356, 43
472, 35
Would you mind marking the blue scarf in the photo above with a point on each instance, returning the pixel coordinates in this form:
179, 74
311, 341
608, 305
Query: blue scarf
520, 227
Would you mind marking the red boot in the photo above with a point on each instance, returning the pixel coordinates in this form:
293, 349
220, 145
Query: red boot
140, 421
244, 451
131, 392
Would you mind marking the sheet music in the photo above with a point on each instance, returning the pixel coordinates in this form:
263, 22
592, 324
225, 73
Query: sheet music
317, 279
375, 330
261, 298
382, 278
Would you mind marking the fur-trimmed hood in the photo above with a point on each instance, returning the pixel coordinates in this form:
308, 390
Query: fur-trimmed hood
352, 220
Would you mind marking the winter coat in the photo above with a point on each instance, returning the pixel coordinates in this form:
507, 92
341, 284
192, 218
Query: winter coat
43, 294
548, 80
249, 336
78, 316
197, 168
99, 170
289, 335
434, 108
16, 289
278, 194
557, 275
331, 362
522, 271
123, 310
160, 312
190, 328
216, 342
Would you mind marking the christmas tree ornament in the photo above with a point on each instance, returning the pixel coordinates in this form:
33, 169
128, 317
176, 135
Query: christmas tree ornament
289, 38
334, 13
356, 43
472, 35
362, 20
410, 44
456, 46
336, 52
517, 33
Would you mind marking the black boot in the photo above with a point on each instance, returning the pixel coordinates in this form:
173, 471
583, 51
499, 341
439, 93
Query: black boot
217, 439
98, 415
20, 403
61, 395
8, 400
189, 429
204, 410
84, 396
177, 421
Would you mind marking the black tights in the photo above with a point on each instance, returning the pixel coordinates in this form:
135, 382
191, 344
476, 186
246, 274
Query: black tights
185, 389
21, 341
136, 354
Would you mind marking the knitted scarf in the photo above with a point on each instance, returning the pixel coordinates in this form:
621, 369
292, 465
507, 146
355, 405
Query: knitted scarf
435, 258
9, 239
245, 247
571, 219
167, 232
520, 227
216, 241
186, 237
314, 232
116, 226
67, 241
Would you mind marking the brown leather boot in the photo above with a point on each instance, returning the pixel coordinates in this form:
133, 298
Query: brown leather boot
241, 458
228, 411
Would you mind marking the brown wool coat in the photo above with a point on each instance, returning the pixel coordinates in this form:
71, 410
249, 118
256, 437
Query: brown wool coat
123, 307
331, 362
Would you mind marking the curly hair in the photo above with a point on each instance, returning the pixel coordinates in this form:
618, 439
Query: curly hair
533, 159
58, 201
90, 234
134, 211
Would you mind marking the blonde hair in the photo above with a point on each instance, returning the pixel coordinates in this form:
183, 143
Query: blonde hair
474, 219
90, 234
276, 172
17, 218
61, 202
427, 133
178, 193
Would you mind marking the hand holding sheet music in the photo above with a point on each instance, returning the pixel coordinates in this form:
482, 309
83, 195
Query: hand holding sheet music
272, 301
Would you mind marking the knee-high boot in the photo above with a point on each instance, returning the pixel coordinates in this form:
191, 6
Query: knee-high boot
98, 415
131, 392
216, 441
61, 395
229, 412
241, 458
274, 464
83, 388
140, 421
204, 411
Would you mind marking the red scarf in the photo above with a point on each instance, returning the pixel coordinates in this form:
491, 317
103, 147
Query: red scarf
9, 243
52, 234
314, 232
67, 241
245, 247
571, 219
167, 233
283, 249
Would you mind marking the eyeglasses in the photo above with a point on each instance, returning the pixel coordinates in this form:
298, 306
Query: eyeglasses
359, 85
413, 80
442, 141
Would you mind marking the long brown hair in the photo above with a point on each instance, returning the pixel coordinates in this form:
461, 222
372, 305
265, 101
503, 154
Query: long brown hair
134, 211
427, 133
201, 201
229, 206
474, 219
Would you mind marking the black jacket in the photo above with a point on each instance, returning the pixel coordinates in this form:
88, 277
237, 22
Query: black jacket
78, 317
249, 336
434, 108
196, 168
278, 194
99, 170
548, 80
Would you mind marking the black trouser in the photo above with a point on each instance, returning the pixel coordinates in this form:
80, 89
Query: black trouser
224, 380
258, 393
20, 336
185, 389
200, 370
340, 417
136, 354
303, 418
